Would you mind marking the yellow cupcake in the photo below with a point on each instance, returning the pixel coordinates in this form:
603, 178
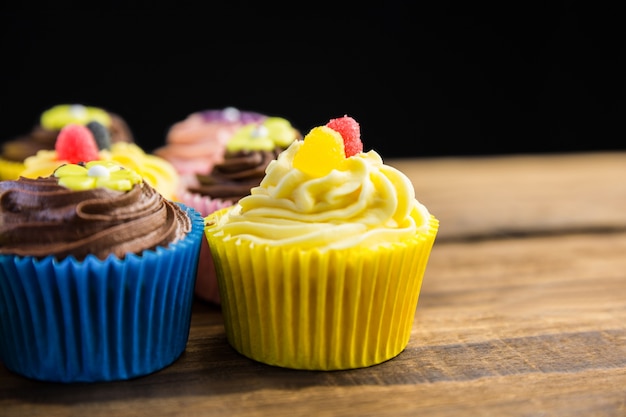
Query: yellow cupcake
322, 269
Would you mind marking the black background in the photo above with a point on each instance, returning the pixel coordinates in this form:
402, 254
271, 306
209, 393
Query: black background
437, 80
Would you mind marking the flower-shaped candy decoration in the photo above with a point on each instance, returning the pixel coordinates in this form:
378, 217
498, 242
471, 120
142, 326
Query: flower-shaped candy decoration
271, 133
63, 114
96, 174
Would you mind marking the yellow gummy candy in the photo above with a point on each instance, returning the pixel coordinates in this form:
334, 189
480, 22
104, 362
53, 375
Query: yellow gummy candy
321, 152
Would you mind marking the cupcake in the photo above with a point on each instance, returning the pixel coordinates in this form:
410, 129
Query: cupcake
44, 134
97, 272
248, 153
321, 266
196, 143
78, 143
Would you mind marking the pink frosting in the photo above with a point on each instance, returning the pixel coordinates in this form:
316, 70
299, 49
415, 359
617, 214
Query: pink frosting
205, 205
194, 145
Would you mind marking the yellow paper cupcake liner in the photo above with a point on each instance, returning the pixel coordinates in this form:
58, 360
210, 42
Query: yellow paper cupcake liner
320, 310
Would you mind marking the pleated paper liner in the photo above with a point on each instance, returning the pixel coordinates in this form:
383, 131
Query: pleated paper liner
320, 310
89, 321
206, 280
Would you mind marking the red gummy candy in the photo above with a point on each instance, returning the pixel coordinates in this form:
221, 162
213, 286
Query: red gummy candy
75, 144
350, 131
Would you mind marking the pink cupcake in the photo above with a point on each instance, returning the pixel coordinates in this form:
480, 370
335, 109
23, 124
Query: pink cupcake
194, 145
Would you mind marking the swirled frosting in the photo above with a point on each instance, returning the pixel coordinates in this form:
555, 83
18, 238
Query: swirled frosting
39, 217
248, 153
365, 203
236, 175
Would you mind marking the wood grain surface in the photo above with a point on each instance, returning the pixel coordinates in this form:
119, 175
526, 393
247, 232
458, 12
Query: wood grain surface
522, 194
522, 313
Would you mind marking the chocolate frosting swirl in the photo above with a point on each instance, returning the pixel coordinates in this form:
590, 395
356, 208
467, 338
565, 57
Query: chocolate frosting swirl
232, 179
38, 217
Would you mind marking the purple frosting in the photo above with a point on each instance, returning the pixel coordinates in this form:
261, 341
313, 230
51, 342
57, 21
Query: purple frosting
232, 114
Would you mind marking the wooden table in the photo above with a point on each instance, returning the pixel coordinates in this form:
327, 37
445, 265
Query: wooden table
522, 313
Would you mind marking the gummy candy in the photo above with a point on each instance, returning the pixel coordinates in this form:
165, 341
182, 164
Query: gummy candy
76, 143
350, 132
101, 134
321, 152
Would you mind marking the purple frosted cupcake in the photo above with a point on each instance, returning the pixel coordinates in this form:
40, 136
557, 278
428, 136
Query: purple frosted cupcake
97, 273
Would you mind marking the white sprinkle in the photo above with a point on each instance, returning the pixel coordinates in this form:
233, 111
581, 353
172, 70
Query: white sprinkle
98, 171
78, 110
260, 131
231, 114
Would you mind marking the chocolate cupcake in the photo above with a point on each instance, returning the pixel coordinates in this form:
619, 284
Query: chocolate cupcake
108, 128
97, 273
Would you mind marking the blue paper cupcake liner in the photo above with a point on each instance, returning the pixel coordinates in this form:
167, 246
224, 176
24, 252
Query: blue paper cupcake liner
70, 321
